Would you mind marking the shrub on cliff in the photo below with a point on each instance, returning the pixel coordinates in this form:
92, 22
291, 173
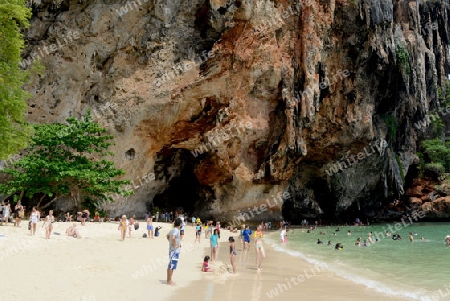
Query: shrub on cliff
66, 160
433, 170
14, 132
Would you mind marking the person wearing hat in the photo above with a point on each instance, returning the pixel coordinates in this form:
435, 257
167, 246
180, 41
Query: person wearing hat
123, 227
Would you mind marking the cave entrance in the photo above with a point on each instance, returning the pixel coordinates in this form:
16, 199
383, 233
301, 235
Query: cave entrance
177, 167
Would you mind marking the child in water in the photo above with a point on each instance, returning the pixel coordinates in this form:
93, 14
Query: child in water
232, 253
205, 266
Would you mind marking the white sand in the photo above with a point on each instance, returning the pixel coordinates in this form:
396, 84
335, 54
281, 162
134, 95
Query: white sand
98, 267
101, 267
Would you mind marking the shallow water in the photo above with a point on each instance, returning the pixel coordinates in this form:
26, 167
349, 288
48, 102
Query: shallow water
418, 270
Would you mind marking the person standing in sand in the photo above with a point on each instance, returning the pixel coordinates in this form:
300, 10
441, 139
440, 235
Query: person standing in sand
19, 213
130, 226
174, 250
48, 224
150, 227
6, 213
34, 218
260, 254
123, 227
198, 232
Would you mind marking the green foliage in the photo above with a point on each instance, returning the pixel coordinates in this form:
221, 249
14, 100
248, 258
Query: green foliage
67, 160
391, 123
400, 166
434, 170
403, 58
444, 94
437, 126
14, 132
435, 151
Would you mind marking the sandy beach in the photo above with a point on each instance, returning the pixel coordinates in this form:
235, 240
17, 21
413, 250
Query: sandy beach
101, 267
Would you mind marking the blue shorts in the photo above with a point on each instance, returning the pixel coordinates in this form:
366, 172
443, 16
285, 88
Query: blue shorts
149, 227
173, 260
246, 239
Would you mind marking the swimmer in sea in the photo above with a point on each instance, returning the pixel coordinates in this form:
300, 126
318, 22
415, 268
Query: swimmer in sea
369, 238
319, 242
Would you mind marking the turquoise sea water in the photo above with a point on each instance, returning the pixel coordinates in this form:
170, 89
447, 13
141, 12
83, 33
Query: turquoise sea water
418, 270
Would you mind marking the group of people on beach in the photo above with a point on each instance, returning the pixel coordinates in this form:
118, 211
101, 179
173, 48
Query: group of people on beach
16, 215
245, 238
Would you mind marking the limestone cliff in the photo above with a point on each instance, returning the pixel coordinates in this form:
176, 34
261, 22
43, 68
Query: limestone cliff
228, 104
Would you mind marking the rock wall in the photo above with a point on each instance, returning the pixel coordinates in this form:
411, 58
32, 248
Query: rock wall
231, 103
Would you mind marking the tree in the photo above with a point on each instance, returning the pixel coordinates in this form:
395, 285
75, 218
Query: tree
435, 154
66, 160
14, 132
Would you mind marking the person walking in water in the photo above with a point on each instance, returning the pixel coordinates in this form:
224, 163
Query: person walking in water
260, 254
232, 253
214, 245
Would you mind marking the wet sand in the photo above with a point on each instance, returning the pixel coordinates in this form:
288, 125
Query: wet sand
310, 282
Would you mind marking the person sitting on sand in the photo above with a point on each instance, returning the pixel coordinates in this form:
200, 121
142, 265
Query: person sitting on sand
73, 231
205, 266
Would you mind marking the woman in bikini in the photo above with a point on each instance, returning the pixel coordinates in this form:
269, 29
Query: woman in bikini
260, 254
123, 227
34, 218
48, 224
